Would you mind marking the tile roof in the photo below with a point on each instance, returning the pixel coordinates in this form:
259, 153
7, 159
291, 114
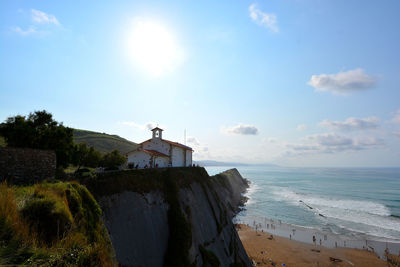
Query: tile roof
171, 143
177, 144
148, 151
155, 153
157, 128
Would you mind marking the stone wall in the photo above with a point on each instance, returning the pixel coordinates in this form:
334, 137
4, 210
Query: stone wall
26, 165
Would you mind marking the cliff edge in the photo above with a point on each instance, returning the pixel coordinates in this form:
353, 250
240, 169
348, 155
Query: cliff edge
172, 217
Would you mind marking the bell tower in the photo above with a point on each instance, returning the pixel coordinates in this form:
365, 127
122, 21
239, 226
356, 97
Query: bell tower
157, 133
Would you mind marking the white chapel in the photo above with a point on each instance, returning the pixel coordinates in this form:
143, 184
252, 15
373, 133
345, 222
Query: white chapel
159, 153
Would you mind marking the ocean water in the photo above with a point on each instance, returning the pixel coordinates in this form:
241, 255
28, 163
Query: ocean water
359, 203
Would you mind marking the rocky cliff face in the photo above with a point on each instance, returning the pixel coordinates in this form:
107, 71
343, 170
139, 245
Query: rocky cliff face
172, 217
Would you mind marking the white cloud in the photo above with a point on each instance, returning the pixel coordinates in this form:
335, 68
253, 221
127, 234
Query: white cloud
396, 118
330, 143
342, 82
146, 126
301, 127
330, 140
42, 17
241, 129
37, 17
201, 151
30, 30
351, 124
261, 18
271, 140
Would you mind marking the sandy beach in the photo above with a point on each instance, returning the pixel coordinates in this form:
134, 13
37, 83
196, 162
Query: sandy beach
285, 252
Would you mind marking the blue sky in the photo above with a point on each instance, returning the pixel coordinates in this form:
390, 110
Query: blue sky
297, 83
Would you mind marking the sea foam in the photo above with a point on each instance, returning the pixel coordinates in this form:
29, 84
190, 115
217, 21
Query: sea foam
364, 212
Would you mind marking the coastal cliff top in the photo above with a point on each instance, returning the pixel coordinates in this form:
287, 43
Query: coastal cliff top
146, 180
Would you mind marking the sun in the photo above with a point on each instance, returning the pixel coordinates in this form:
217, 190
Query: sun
153, 48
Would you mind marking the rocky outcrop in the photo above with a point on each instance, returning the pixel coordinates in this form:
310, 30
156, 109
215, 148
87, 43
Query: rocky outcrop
154, 215
212, 206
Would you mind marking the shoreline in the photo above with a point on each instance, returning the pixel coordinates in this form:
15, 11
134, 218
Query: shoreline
281, 251
322, 239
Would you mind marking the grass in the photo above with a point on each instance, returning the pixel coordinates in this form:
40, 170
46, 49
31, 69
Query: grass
52, 224
2, 142
103, 142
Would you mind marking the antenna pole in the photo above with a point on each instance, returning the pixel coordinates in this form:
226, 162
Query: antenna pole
184, 134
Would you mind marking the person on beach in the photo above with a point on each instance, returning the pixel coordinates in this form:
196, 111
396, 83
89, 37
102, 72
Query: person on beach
320, 242
290, 236
314, 240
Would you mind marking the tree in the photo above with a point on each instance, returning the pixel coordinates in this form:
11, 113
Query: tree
113, 160
85, 156
40, 131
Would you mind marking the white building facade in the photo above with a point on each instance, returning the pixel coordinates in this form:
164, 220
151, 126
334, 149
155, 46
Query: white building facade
160, 153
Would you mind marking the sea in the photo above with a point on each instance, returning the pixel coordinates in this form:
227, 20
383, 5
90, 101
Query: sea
357, 203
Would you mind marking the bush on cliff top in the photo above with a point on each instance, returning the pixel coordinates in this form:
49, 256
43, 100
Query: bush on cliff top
39, 130
52, 225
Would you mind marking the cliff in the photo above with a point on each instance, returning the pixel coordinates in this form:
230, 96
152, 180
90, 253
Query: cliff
172, 217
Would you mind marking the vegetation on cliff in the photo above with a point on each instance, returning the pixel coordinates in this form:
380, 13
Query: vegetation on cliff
52, 224
180, 232
2, 142
142, 180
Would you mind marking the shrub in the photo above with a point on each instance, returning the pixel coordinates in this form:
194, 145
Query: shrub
58, 225
39, 130
48, 220
85, 210
113, 160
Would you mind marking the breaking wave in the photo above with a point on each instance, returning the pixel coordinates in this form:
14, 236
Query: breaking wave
370, 217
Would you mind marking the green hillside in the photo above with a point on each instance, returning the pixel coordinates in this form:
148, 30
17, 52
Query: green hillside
103, 142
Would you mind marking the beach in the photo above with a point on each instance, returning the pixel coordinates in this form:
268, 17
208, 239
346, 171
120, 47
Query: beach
279, 250
322, 239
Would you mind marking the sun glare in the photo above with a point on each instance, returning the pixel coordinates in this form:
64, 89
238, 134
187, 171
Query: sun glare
153, 48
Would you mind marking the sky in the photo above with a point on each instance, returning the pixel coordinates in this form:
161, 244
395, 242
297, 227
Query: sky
290, 82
